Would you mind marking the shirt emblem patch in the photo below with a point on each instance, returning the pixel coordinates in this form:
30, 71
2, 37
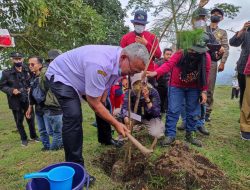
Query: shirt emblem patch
103, 73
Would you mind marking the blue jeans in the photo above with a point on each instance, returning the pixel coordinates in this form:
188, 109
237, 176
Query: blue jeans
201, 121
55, 121
176, 97
44, 136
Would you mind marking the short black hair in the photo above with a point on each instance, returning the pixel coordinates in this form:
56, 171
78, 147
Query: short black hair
39, 59
167, 49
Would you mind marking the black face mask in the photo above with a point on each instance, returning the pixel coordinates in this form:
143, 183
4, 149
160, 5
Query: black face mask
215, 19
19, 64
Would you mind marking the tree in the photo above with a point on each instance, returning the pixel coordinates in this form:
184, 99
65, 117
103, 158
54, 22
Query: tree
114, 15
166, 13
41, 25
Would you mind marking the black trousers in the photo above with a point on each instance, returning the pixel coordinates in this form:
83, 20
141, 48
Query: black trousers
163, 93
104, 128
72, 133
235, 93
19, 117
242, 85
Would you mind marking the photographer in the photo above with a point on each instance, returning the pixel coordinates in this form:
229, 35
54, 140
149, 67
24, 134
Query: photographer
15, 83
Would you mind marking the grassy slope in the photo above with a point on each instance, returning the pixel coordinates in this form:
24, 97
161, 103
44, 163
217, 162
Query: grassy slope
224, 147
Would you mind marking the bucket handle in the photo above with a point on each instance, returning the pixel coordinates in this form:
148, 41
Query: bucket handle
37, 175
87, 178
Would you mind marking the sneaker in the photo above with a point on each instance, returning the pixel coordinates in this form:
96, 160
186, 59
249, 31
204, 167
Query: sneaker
167, 141
35, 139
203, 130
24, 143
181, 127
245, 135
207, 118
190, 137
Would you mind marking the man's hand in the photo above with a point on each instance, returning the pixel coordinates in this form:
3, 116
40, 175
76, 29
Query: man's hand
246, 26
203, 97
151, 73
145, 92
28, 112
141, 40
121, 129
221, 67
16, 91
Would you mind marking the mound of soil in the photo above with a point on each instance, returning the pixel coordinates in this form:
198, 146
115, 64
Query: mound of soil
181, 168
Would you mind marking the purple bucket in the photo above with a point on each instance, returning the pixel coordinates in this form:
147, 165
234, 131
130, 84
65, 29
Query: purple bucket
79, 179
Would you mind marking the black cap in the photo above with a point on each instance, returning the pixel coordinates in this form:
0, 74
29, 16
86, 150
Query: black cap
140, 17
217, 10
53, 53
16, 55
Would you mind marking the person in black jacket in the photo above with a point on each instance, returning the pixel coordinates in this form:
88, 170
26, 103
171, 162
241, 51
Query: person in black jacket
15, 83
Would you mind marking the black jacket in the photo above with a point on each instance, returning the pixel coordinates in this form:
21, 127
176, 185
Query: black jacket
12, 79
244, 42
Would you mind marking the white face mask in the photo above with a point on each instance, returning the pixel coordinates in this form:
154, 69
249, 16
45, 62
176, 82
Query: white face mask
200, 24
139, 28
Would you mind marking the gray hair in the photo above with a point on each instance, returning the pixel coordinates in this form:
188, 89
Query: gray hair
137, 50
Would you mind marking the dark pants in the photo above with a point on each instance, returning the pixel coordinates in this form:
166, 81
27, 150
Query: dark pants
19, 117
72, 133
104, 128
163, 93
235, 93
242, 84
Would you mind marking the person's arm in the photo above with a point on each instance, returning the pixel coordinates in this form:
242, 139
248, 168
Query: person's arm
100, 110
167, 66
224, 44
238, 38
205, 88
4, 87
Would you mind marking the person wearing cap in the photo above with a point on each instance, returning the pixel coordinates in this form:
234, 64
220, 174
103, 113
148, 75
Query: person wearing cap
52, 109
149, 106
52, 54
140, 35
89, 72
221, 36
189, 82
15, 83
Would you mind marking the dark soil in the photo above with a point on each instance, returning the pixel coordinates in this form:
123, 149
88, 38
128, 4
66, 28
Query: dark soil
181, 168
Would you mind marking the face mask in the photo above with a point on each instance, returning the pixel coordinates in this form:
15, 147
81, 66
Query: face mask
215, 19
139, 28
200, 24
18, 64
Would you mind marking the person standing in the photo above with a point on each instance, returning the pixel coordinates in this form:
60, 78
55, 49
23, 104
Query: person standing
242, 38
235, 87
140, 35
15, 83
89, 72
221, 36
35, 65
189, 82
162, 82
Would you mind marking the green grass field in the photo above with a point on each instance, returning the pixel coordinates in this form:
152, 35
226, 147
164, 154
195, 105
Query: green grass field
223, 147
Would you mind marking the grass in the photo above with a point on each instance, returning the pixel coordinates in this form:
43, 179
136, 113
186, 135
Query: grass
223, 147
